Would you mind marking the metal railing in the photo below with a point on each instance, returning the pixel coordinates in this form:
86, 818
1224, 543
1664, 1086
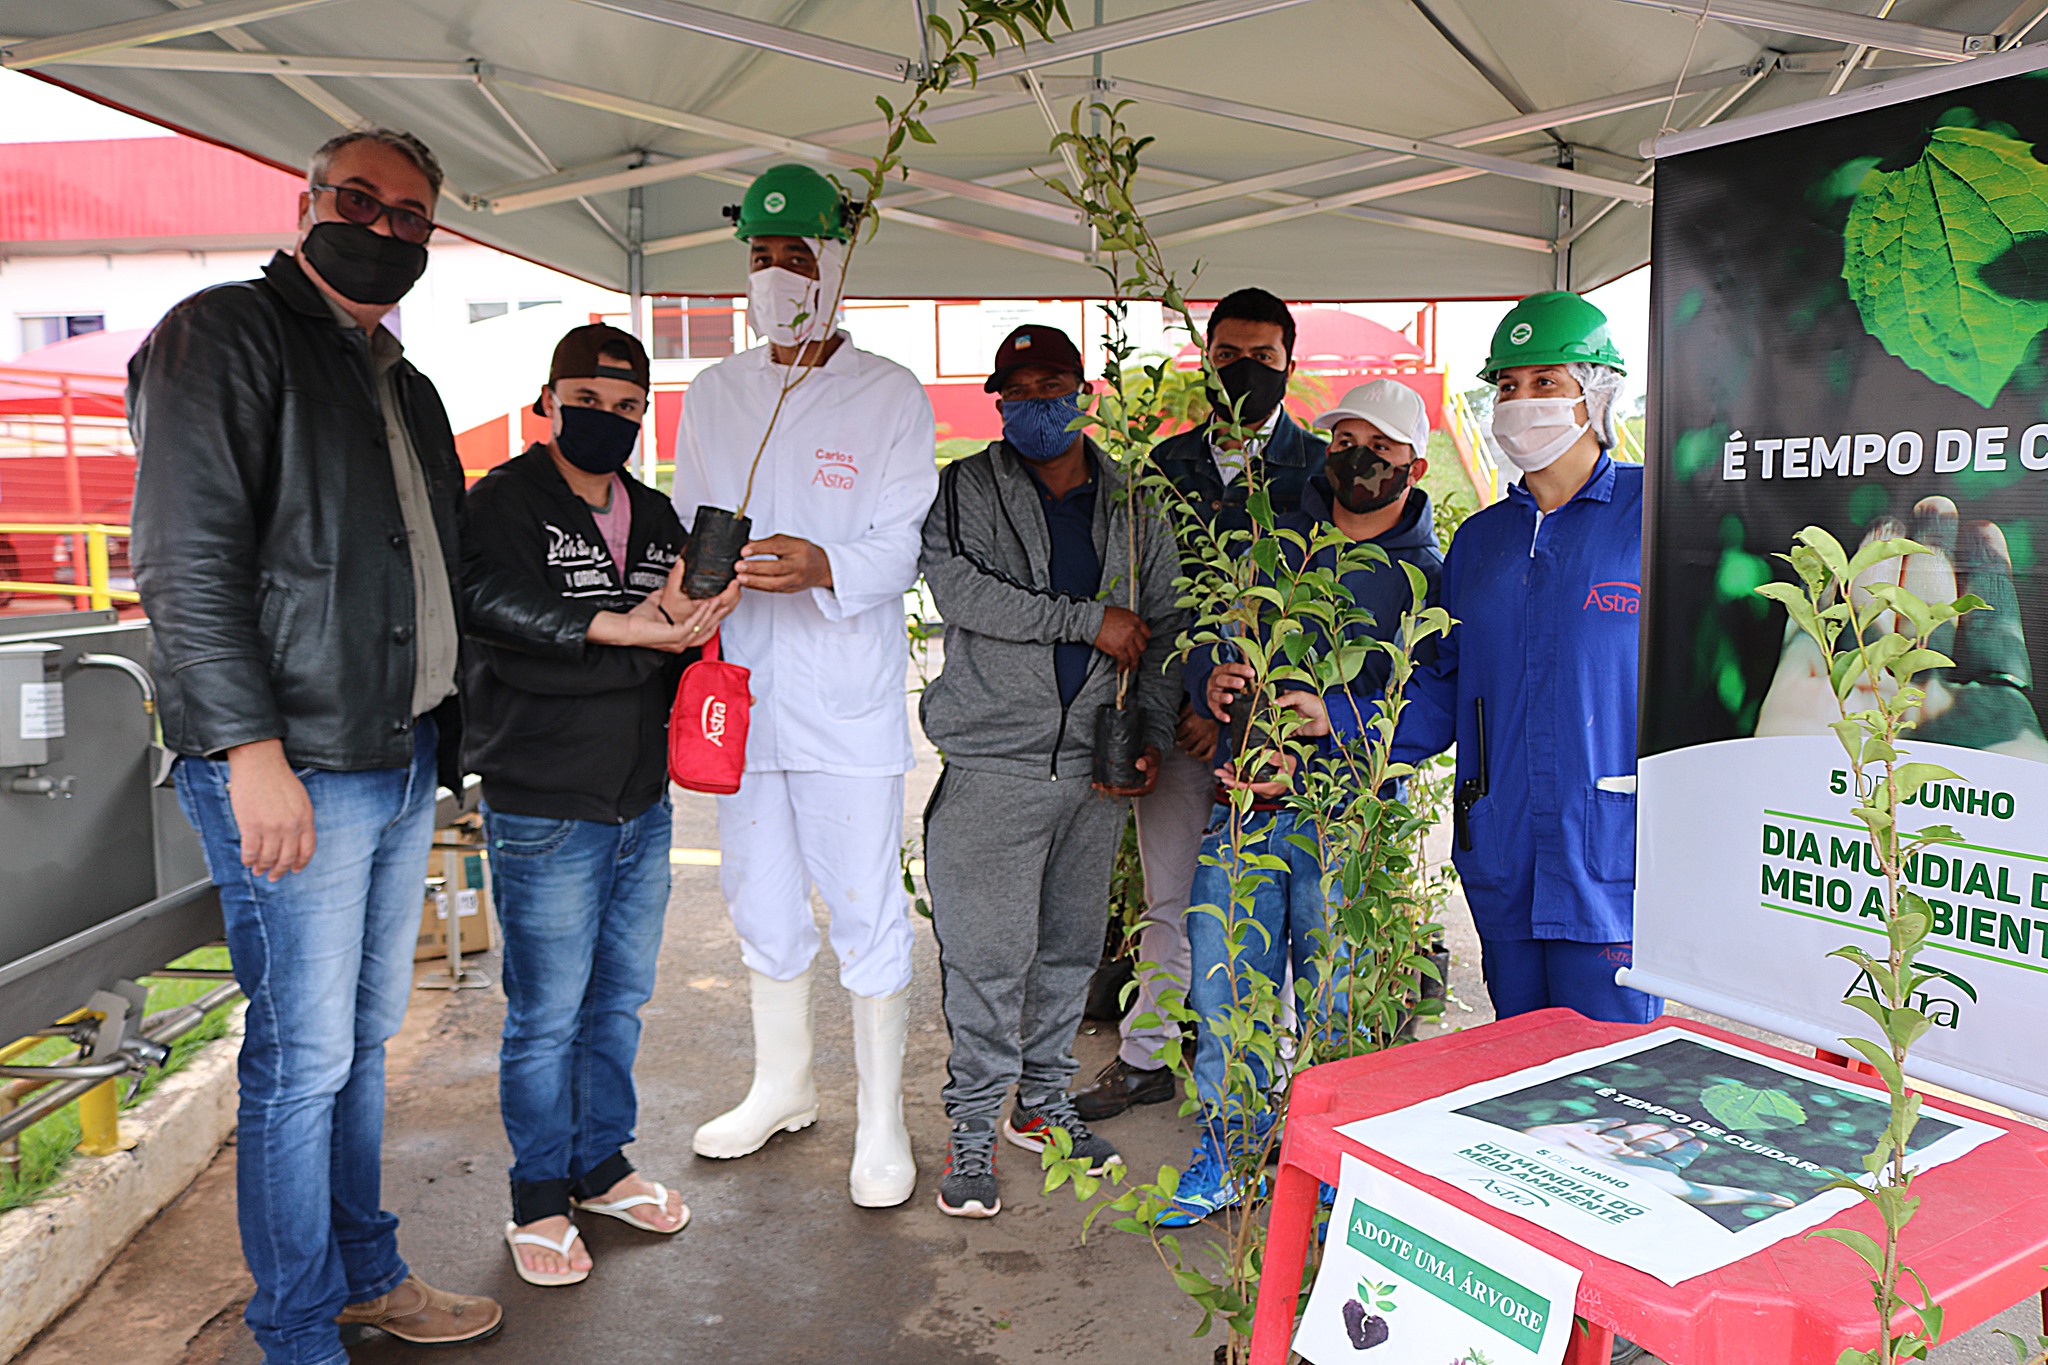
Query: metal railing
1628, 448
90, 537
31, 1093
1473, 452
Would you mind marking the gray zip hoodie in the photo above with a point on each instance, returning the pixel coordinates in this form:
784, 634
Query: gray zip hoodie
987, 557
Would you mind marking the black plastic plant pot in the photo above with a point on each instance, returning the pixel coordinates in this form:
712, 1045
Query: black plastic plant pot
713, 553
1240, 723
1244, 740
1119, 743
1439, 988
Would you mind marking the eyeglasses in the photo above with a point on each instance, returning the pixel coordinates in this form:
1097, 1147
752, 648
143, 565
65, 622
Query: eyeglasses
356, 207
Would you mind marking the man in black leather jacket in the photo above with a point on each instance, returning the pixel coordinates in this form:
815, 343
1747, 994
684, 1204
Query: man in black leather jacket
297, 529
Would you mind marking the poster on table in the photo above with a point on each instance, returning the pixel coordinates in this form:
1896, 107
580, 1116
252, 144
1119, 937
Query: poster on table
1404, 1271
1848, 322
1671, 1152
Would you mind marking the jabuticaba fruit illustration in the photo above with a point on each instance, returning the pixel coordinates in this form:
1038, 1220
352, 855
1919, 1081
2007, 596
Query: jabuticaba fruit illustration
1941, 258
1365, 1329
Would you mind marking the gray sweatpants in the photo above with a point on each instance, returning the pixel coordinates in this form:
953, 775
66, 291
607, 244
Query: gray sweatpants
1018, 870
1171, 822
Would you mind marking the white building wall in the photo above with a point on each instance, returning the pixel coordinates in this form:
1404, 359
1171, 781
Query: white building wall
487, 368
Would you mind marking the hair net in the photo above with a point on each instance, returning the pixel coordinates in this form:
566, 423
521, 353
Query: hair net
1602, 387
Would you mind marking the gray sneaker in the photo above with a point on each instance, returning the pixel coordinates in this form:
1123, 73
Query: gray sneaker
967, 1188
1031, 1123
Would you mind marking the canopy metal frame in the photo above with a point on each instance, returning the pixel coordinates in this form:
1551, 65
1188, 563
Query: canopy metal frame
1357, 185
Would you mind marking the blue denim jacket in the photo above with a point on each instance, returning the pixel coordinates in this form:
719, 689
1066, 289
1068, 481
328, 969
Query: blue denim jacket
1291, 457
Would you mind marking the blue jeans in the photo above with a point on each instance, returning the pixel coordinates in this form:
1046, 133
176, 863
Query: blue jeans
582, 905
1279, 930
325, 956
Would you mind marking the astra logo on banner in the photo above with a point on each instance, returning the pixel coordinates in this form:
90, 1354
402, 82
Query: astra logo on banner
1616, 596
1942, 1010
711, 721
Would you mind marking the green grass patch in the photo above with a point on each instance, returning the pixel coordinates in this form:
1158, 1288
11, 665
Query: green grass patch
47, 1147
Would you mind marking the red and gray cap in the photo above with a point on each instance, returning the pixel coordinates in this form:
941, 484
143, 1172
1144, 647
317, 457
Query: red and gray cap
595, 351
1033, 344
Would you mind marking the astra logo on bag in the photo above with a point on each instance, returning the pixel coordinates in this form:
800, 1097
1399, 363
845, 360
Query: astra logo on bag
711, 722
1616, 596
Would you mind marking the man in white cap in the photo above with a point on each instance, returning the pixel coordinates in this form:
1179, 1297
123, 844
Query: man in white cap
1370, 491
837, 497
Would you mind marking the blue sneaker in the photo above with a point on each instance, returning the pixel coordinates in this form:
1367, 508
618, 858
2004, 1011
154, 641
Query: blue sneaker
1205, 1188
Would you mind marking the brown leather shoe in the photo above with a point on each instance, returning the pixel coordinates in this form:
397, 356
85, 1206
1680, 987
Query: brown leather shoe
425, 1316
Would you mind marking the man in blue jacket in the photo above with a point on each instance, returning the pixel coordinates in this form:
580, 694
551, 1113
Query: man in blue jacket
1369, 491
1250, 345
1536, 683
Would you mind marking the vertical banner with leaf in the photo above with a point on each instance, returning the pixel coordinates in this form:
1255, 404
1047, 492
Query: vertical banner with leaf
1848, 334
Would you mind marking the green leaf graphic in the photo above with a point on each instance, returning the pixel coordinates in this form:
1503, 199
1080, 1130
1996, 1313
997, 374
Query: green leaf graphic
1916, 247
1745, 1109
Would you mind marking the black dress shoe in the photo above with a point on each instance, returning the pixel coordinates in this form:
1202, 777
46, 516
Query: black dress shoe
1120, 1085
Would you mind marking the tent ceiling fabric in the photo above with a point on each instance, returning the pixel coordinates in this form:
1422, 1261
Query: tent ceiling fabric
1309, 113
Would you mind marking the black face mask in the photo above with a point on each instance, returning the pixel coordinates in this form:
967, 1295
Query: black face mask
596, 441
1362, 480
1252, 388
363, 266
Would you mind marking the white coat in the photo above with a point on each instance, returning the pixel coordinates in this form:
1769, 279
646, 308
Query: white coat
850, 469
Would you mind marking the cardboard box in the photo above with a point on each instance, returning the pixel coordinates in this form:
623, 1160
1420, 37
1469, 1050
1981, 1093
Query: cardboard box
458, 880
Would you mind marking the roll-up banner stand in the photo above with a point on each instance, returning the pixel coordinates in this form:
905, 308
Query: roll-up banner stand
1849, 302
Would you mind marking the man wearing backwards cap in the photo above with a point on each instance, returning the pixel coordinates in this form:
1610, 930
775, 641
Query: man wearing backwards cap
573, 755
1026, 541
1369, 490
842, 486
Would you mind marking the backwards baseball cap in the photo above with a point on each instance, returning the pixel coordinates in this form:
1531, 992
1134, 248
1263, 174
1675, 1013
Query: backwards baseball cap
596, 351
1033, 344
1388, 404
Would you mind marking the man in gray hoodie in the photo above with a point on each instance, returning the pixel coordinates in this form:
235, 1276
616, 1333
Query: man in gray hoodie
1023, 549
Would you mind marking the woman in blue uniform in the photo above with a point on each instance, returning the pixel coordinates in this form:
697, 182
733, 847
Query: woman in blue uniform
1536, 684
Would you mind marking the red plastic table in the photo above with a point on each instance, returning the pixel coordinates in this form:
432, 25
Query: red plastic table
1980, 1239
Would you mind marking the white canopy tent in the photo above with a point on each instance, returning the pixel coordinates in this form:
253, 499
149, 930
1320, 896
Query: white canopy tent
1326, 149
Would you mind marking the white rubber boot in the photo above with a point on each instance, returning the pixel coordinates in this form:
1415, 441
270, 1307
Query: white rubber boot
883, 1174
781, 1099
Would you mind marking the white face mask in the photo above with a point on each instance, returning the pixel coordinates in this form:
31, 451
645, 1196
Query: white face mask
1534, 432
784, 306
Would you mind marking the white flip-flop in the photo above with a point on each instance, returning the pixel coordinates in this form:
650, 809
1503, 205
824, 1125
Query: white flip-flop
546, 1279
622, 1209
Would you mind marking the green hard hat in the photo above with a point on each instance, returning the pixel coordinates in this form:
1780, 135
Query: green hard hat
1555, 327
791, 201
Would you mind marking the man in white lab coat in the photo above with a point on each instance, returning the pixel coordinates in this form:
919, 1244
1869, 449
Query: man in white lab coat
841, 489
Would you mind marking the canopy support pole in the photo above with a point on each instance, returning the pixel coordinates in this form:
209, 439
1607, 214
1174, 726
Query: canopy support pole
154, 29
1814, 21
636, 303
1563, 239
1422, 148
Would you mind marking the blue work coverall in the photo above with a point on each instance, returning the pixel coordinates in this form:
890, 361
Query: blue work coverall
1546, 606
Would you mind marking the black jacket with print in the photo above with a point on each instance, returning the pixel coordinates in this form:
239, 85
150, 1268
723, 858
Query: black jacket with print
582, 738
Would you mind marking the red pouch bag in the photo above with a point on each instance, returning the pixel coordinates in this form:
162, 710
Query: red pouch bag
707, 727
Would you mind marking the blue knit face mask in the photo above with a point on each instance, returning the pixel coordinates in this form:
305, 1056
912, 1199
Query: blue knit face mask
1037, 428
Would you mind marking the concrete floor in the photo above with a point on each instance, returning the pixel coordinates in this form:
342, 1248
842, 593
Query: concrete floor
776, 1266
